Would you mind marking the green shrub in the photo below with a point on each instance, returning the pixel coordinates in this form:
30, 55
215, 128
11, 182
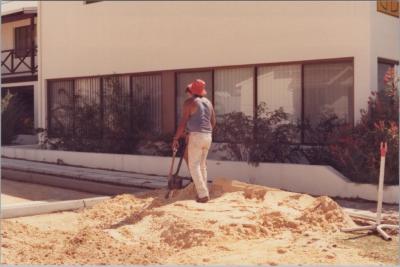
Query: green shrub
270, 137
235, 131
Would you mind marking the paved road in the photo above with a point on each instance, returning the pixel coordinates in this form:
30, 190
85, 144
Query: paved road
18, 192
367, 205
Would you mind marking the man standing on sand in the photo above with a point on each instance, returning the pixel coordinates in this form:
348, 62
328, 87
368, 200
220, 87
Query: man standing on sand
198, 120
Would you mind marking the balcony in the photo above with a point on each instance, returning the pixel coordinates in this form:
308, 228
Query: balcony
18, 65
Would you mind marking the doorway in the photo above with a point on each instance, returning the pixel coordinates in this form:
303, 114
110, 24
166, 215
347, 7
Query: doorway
22, 100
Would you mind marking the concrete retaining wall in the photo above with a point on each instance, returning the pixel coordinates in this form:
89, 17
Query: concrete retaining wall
310, 179
69, 182
39, 207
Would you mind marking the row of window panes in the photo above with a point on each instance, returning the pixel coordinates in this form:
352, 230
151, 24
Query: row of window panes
67, 96
328, 88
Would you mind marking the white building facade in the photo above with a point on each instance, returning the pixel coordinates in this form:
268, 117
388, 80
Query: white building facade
307, 57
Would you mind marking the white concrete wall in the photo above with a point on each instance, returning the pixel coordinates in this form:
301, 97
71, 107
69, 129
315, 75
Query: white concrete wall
148, 36
310, 179
138, 36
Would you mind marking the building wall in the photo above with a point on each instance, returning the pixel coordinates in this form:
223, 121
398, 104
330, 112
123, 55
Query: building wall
124, 37
138, 36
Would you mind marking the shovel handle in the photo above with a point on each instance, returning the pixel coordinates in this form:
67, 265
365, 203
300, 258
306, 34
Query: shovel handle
172, 163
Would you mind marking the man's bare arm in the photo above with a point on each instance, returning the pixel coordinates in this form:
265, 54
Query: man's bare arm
213, 119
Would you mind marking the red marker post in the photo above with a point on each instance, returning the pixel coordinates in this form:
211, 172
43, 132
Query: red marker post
381, 179
377, 226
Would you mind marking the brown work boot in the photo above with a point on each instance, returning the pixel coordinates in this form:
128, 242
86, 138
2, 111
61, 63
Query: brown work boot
203, 199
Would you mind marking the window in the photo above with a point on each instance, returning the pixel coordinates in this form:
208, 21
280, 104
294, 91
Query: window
280, 86
328, 88
183, 79
383, 67
87, 109
116, 101
105, 107
23, 97
22, 41
146, 90
61, 107
234, 91
305, 90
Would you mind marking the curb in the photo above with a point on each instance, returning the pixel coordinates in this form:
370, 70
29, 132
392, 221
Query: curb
96, 187
36, 208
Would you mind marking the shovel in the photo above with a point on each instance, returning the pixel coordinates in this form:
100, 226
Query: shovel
174, 181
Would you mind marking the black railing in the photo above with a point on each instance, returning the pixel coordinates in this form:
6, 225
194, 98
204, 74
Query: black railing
18, 62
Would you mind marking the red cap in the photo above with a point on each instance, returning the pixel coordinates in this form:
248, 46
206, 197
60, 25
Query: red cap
198, 87
188, 87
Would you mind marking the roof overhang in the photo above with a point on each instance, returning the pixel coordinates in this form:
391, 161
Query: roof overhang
17, 11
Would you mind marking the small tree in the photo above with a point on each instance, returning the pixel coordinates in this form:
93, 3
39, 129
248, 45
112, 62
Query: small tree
276, 137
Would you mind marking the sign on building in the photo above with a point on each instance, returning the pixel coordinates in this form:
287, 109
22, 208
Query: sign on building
390, 7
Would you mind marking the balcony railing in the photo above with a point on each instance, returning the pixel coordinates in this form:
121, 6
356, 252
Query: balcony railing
15, 62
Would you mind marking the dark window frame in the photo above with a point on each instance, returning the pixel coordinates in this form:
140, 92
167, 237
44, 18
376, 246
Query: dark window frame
385, 61
351, 101
22, 47
388, 61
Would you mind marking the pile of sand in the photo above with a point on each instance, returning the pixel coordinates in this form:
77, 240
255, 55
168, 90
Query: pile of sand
148, 229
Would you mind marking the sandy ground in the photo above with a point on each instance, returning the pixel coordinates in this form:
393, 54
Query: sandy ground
13, 192
242, 224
